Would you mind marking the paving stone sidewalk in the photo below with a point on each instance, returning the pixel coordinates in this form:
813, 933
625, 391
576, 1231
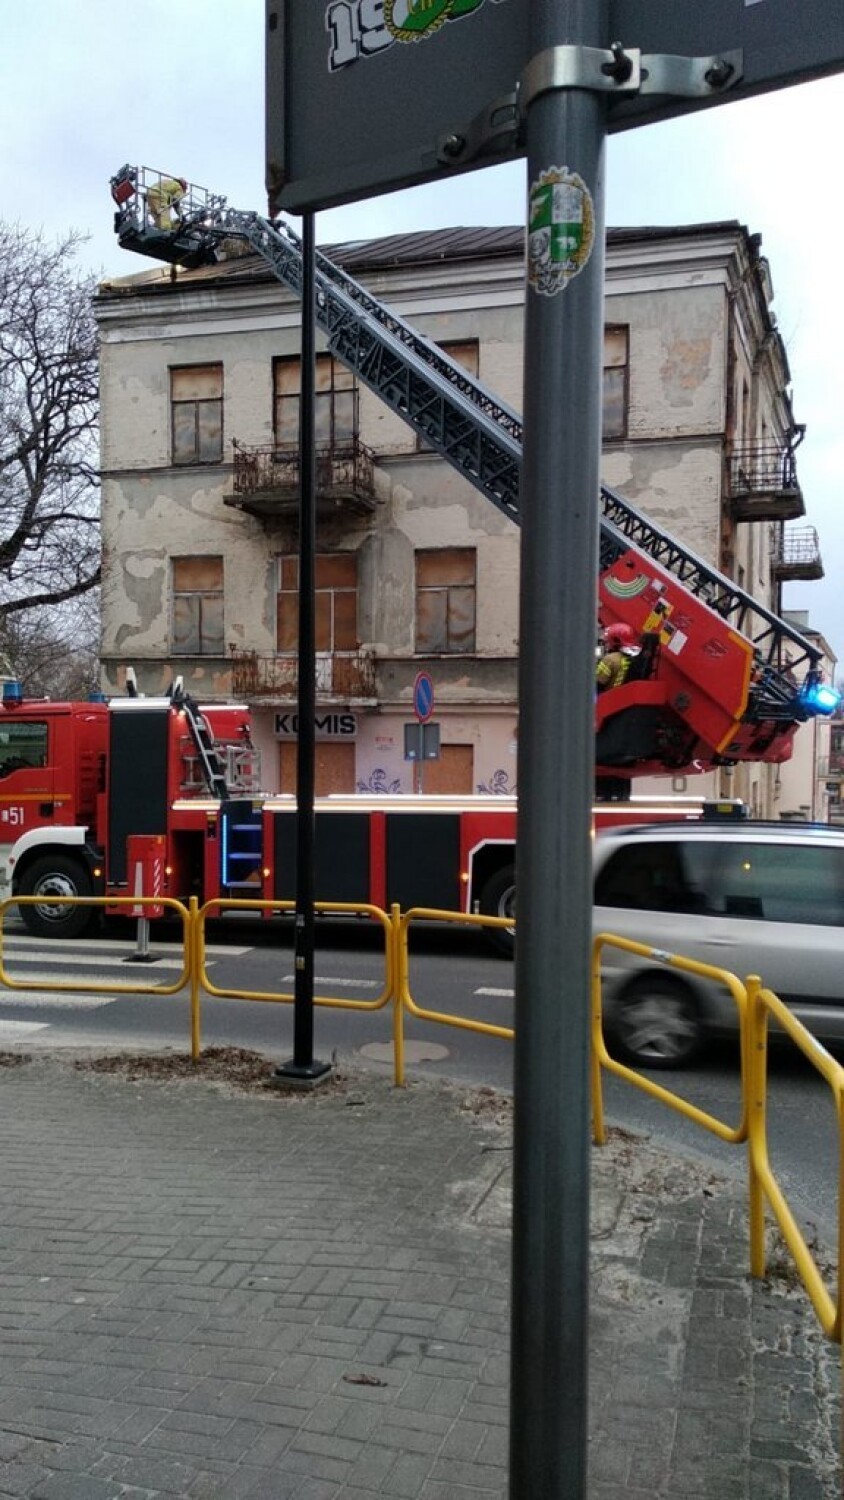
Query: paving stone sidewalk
219, 1294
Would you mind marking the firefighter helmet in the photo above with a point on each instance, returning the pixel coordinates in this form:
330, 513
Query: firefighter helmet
621, 636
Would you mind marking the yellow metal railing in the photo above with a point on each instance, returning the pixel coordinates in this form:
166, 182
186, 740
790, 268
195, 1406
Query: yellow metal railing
337, 1002
93, 987
406, 1003
734, 1134
762, 1005
755, 1006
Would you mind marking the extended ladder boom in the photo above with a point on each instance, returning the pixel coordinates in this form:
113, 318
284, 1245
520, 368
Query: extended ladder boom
479, 435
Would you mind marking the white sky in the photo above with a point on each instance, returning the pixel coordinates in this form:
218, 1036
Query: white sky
86, 85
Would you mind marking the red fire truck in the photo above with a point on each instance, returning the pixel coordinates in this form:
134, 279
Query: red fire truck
156, 797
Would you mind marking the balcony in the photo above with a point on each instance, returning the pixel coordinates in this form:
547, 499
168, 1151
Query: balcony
796, 555
266, 480
762, 484
347, 676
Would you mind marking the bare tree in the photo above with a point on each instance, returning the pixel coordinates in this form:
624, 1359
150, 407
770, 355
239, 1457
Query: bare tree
49, 500
53, 653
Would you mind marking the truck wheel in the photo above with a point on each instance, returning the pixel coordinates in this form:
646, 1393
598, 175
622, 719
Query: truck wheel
498, 899
656, 1023
56, 875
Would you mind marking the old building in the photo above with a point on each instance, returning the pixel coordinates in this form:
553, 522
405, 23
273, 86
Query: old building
415, 569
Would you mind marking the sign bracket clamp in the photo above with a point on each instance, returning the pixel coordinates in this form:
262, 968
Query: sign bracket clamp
615, 70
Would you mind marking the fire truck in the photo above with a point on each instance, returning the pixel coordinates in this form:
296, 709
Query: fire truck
156, 797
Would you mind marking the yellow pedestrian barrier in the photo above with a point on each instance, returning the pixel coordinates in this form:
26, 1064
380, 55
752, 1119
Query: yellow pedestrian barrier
601, 1058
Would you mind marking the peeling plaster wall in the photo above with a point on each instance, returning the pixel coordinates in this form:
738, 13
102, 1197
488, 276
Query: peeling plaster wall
678, 485
678, 353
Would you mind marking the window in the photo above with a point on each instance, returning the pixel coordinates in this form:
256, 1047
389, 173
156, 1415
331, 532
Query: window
197, 606
196, 414
445, 600
461, 352
336, 602
335, 409
22, 744
729, 878
616, 367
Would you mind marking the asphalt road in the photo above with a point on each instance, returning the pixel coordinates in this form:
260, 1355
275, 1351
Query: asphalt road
452, 971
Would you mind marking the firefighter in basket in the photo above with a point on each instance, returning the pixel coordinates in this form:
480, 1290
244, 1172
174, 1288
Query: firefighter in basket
621, 647
163, 199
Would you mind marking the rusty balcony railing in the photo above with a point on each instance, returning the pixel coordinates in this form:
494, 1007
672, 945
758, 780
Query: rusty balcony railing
266, 479
763, 483
339, 674
796, 553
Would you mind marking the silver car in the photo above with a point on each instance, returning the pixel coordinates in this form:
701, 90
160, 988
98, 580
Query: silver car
753, 898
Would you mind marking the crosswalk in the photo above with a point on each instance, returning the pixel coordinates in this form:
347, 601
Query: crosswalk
48, 968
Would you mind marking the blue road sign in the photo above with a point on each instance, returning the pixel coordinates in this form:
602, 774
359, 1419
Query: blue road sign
423, 697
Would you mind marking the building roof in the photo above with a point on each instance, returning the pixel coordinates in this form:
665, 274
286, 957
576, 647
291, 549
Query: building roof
419, 248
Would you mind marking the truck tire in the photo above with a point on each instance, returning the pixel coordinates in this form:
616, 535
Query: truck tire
498, 899
56, 875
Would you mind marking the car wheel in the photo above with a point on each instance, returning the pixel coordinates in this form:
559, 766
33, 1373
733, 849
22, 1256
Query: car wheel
498, 899
56, 875
656, 1023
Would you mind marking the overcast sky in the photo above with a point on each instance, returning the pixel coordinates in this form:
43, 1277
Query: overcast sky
86, 85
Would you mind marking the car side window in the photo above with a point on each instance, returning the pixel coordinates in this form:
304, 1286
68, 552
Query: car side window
765, 882
653, 876
781, 883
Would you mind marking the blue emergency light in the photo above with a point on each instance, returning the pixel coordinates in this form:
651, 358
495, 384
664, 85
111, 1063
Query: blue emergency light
819, 697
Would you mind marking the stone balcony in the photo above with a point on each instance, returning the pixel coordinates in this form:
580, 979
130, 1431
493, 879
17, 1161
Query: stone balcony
266, 481
762, 484
341, 676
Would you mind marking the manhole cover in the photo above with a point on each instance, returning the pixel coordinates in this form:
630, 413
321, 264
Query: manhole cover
414, 1052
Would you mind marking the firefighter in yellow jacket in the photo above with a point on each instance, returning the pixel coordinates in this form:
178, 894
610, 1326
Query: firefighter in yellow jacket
621, 649
162, 199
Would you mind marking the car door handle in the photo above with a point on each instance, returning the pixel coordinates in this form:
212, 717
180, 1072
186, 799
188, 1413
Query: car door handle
721, 942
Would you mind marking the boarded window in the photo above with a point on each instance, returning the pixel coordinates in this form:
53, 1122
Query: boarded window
335, 414
334, 768
616, 385
197, 606
335, 605
196, 414
445, 601
461, 352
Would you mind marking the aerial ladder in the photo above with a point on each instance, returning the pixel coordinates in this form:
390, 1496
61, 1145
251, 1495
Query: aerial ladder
721, 678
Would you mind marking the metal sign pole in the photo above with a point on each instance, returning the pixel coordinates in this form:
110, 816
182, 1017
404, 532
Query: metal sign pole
560, 479
303, 1068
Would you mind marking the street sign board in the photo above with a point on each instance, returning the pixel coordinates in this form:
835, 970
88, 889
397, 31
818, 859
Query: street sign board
781, 43
360, 92
357, 91
423, 697
421, 742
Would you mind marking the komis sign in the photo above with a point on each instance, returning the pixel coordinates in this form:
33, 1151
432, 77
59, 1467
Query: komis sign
327, 726
362, 28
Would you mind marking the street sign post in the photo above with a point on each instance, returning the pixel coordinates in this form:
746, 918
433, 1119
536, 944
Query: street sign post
422, 739
364, 96
423, 697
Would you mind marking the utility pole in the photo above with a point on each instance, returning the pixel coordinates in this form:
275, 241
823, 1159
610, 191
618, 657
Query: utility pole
566, 126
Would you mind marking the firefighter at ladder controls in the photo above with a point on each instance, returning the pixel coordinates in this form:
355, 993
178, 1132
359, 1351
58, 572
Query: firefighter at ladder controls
621, 648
